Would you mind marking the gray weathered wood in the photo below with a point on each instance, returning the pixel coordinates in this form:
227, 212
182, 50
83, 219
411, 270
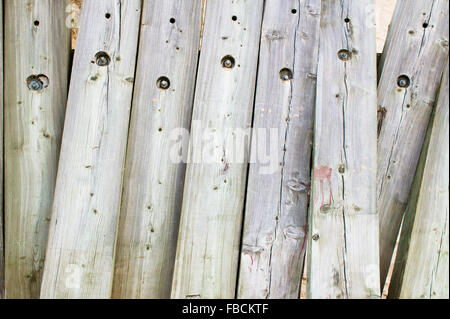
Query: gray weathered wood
275, 228
37, 44
404, 113
2, 256
421, 267
208, 245
343, 252
80, 254
153, 182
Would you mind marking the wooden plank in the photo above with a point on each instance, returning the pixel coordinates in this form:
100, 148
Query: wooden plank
80, 254
209, 239
343, 252
275, 228
37, 58
421, 267
417, 47
2, 252
153, 184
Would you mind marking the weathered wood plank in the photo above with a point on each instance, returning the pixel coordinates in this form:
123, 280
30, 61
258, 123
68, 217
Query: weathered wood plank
208, 246
153, 184
416, 49
343, 252
80, 254
2, 252
37, 57
275, 228
421, 267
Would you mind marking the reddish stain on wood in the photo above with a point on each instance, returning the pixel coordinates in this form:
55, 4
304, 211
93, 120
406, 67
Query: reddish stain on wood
321, 175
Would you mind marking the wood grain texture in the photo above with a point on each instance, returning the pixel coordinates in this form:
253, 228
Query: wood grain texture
80, 254
343, 252
2, 252
421, 267
153, 184
275, 228
37, 42
208, 245
417, 46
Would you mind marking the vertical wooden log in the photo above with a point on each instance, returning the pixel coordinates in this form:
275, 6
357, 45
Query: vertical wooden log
154, 177
208, 246
80, 255
2, 252
343, 254
421, 267
275, 228
37, 55
412, 65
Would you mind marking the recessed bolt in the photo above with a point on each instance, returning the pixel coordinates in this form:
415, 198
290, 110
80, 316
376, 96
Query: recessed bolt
286, 74
163, 83
403, 81
315, 237
102, 59
228, 62
344, 55
37, 82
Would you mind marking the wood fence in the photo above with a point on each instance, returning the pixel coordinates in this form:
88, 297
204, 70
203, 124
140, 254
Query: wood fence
223, 149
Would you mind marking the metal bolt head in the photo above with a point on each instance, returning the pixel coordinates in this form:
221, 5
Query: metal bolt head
102, 59
403, 81
163, 83
35, 85
228, 62
315, 237
344, 55
285, 75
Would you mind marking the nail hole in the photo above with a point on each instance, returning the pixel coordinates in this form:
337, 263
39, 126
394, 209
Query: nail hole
346, 20
36, 23
234, 18
294, 11
344, 55
285, 74
403, 81
102, 59
163, 83
425, 25
37, 82
172, 20
108, 15
228, 62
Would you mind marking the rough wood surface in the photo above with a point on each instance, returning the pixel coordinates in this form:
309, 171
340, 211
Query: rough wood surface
421, 267
275, 228
2, 256
153, 184
417, 46
37, 44
208, 246
343, 253
80, 255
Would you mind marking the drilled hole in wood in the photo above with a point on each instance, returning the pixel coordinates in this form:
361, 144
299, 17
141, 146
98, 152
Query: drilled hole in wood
347, 20
36, 23
172, 20
102, 59
37, 82
228, 62
285, 74
234, 18
163, 83
294, 11
403, 81
108, 15
425, 25
344, 55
